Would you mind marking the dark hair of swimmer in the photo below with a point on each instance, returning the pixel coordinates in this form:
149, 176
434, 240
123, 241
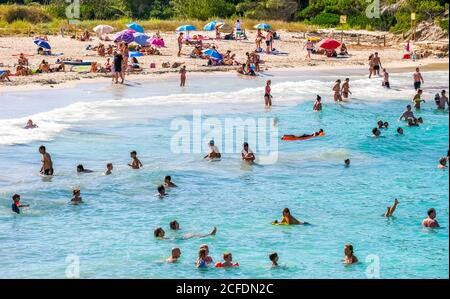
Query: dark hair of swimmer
174, 225
161, 189
408, 106
347, 161
42, 148
273, 256
75, 191
319, 98
374, 131
15, 196
159, 232
386, 124
80, 168
431, 211
443, 161
420, 120
321, 131
133, 153
202, 252
399, 130
350, 247
245, 143
286, 211
168, 178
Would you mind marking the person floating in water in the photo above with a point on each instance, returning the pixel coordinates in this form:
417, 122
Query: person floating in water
317, 104
346, 88
274, 259
227, 261
161, 234
161, 192
430, 221
386, 79
247, 154
16, 205
347, 162
315, 134
418, 99
47, 163
30, 125
80, 169
376, 132
349, 257
400, 131
390, 210
168, 182
442, 163
407, 114
109, 169
76, 199
135, 162
214, 152
289, 219
175, 255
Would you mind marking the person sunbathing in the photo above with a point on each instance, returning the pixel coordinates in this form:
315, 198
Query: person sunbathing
344, 51
134, 65
315, 134
94, 68
101, 50
4, 75
61, 67
44, 67
110, 50
22, 60
22, 71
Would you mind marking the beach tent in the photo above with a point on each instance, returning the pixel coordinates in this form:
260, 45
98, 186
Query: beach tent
124, 36
186, 28
263, 26
103, 29
136, 27
141, 39
211, 26
224, 28
329, 44
42, 44
212, 53
157, 42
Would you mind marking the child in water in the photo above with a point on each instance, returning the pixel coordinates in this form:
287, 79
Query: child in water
16, 204
135, 163
274, 259
168, 182
161, 192
228, 261
109, 169
347, 162
76, 199
349, 258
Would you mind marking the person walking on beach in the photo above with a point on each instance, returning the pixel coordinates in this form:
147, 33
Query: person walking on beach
376, 62
337, 91
269, 42
118, 60
47, 163
418, 79
309, 49
180, 43
125, 53
268, 94
183, 76
346, 88
317, 104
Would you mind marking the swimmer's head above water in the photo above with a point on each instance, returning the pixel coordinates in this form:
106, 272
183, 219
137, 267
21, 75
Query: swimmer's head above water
159, 233
174, 225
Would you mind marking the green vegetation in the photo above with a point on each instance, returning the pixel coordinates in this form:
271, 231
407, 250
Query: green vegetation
167, 14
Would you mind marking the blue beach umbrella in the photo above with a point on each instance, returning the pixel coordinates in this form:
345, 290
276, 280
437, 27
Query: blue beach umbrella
263, 26
186, 28
43, 44
141, 39
136, 27
212, 54
135, 54
211, 26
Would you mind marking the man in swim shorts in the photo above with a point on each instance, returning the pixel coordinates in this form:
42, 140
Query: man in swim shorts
376, 62
418, 79
214, 152
247, 153
430, 221
47, 163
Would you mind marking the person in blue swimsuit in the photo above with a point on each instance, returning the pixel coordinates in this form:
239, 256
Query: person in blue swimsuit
16, 204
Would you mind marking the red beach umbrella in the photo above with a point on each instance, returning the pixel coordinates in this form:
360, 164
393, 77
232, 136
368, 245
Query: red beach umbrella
329, 44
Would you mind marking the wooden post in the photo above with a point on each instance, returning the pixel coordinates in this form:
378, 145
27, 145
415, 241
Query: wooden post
384, 40
359, 36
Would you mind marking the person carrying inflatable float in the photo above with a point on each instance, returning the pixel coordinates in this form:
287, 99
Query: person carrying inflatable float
320, 133
228, 261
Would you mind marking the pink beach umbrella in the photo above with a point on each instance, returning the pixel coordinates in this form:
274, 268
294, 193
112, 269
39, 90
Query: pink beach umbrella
329, 44
157, 42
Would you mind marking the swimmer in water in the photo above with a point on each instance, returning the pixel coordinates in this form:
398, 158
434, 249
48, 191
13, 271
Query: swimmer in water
317, 104
380, 124
174, 225
346, 88
16, 205
80, 169
76, 199
168, 182
376, 132
349, 258
430, 221
337, 91
175, 255
208, 259
135, 163
161, 192
247, 153
390, 210
30, 125
347, 162
274, 259
442, 163
315, 134
214, 152
418, 99
161, 234
386, 125
443, 100
407, 114
289, 219
400, 131
47, 163
227, 261
201, 262
109, 169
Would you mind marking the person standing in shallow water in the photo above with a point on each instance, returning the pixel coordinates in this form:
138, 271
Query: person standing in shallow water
349, 257
47, 163
317, 104
268, 94
183, 76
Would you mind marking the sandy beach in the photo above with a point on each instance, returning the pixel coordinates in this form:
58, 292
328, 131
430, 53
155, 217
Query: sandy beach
291, 43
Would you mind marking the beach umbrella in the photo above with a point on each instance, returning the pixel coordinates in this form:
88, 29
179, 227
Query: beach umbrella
329, 44
103, 29
135, 54
136, 27
263, 26
224, 28
211, 26
43, 44
124, 36
186, 28
141, 39
212, 53
157, 42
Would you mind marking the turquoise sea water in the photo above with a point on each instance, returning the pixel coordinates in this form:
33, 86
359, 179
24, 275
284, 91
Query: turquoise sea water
112, 232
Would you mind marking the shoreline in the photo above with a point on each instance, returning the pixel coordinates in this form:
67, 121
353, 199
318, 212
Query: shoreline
426, 65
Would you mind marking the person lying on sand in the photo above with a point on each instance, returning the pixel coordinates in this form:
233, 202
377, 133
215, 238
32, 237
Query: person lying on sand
161, 234
214, 152
44, 67
289, 219
22, 71
30, 125
390, 210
